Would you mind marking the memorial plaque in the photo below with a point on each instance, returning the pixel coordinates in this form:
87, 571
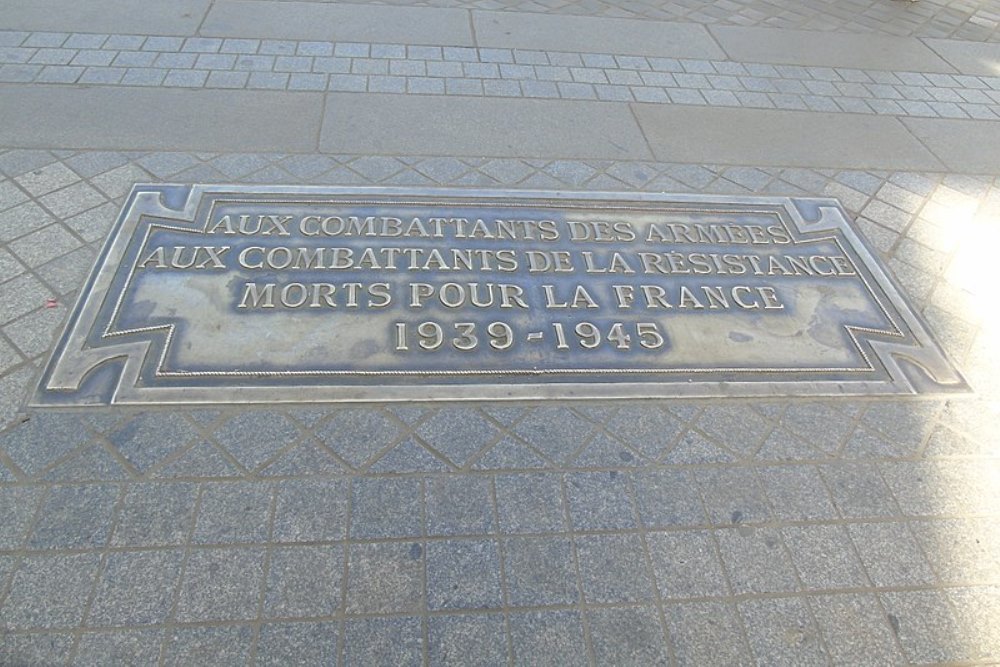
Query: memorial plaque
214, 294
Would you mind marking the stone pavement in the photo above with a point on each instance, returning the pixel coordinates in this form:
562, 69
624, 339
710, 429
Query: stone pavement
779, 531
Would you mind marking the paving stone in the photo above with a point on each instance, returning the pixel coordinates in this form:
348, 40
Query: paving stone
859, 491
75, 516
631, 636
927, 627
782, 631
450, 637
686, 565
649, 430
277, 47
300, 643
304, 581
556, 432
529, 503
136, 588
960, 550
308, 166
143, 76
236, 165
356, 435
604, 451
910, 421
945, 487
386, 507
141, 440
511, 454
599, 501
733, 496
118, 182
65, 274
385, 641
185, 79
13, 388
783, 446
375, 168
797, 494
855, 630
944, 442
254, 437
8, 563
43, 439
199, 460
457, 433
738, 426
311, 510
447, 170
234, 513
72, 200
463, 575
350, 83
977, 609
49, 591
576, 173
547, 638
540, 571
863, 444
95, 59
47, 648
706, 633
131, 647
459, 506
17, 162
221, 584
308, 458
18, 506
155, 515
756, 561
208, 645
47, 179
11, 195
23, 219
824, 557
34, 333
650, 424
817, 423
166, 164
8, 356
409, 456
693, 448
613, 568
385, 578
891, 555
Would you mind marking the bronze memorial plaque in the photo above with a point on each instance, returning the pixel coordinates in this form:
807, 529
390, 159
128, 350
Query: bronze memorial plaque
221, 294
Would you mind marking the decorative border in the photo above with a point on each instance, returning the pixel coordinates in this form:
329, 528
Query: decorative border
79, 353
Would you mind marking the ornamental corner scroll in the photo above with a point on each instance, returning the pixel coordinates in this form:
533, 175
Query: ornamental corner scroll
221, 294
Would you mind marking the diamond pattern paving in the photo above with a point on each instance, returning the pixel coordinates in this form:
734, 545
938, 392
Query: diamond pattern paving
776, 531
356, 435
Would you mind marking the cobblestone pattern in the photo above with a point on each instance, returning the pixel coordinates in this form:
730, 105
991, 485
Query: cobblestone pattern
957, 19
665, 532
196, 62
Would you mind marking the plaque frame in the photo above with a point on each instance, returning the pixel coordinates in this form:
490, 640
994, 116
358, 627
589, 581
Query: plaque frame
78, 373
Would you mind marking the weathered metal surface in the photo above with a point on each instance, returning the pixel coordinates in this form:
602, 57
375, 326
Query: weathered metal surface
212, 294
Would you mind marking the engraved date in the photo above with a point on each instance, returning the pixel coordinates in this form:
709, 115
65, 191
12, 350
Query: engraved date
468, 336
